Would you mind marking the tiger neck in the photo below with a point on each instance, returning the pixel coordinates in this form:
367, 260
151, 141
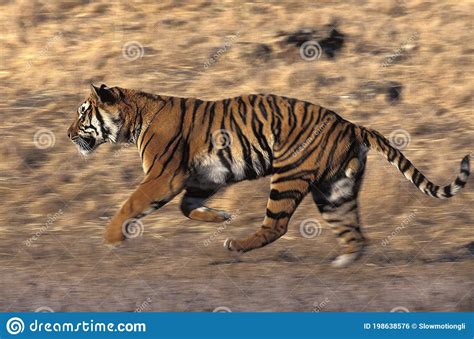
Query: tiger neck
145, 109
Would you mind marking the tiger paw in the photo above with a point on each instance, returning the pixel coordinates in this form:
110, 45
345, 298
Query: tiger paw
112, 237
225, 215
345, 260
217, 216
209, 215
233, 245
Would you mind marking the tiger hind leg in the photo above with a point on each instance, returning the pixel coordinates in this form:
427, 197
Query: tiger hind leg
193, 207
285, 196
337, 202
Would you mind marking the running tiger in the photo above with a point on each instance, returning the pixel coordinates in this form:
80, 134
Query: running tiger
200, 146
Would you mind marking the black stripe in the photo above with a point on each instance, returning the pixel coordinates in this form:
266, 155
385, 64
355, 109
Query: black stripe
252, 99
278, 215
151, 120
305, 111
275, 105
159, 204
261, 105
431, 188
323, 142
290, 194
340, 234
296, 176
447, 191
261, 158
226, 104
144, 147
291, 113
212, 112
333, 220
152, 164
197, 105
104, 129
257, 128
328, 169
459, 182
204, 113
389, 156
242, 108
165, 164
417, 177
404, 164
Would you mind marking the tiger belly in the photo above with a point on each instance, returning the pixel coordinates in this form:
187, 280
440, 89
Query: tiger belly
216, 170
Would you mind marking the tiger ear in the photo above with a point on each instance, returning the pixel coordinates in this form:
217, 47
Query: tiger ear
103, 94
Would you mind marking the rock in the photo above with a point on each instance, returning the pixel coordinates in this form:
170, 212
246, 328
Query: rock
34, 158
371, 88
394, 92
333, 43
299, 37
330, 39
173, 22
398, 9
262, 52
441, 111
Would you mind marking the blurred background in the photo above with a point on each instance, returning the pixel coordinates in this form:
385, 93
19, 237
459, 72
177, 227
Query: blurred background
401, 67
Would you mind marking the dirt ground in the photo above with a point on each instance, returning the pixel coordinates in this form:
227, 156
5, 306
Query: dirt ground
55, 204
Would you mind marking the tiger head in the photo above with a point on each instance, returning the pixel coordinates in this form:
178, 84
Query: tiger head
98, 119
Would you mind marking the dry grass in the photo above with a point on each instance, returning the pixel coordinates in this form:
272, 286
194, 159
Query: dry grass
50, 52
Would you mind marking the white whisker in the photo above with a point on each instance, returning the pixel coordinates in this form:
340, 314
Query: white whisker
83, 147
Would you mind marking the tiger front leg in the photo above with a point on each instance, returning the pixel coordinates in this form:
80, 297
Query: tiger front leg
151, 194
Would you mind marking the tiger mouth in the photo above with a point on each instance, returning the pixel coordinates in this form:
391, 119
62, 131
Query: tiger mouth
85, 144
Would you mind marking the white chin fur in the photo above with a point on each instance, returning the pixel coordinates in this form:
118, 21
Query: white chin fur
83, 151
